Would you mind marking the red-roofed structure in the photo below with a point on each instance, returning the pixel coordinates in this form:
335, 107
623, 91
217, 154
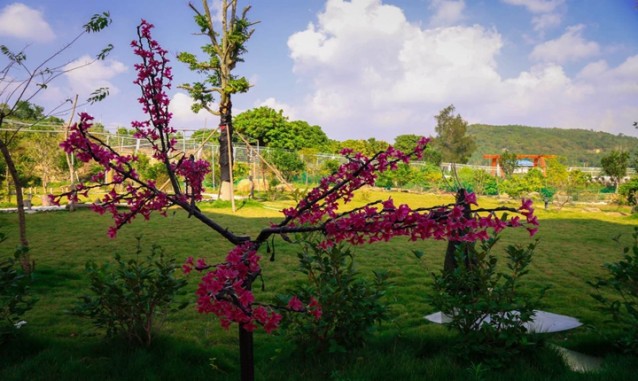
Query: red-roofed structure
538, 160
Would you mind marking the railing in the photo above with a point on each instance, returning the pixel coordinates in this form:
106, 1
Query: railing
245, 154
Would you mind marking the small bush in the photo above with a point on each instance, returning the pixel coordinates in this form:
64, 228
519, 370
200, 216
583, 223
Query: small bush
14, 296
629, 191
486, 305
132, 297
622, 308
350, 305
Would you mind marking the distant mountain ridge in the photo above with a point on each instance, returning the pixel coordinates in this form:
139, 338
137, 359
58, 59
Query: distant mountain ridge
583, 148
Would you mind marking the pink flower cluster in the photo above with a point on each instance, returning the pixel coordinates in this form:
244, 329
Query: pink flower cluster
372, 223
194, 172
154, 76
323, 201
224, 291
127, 189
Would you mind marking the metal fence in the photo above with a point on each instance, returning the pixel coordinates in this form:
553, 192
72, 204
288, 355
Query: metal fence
249, 154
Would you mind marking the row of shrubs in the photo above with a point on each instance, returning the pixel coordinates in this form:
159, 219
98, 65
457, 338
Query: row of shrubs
130, 298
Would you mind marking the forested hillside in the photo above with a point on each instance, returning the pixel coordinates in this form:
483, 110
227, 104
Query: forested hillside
578, 147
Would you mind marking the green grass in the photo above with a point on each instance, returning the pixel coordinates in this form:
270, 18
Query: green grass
57, 346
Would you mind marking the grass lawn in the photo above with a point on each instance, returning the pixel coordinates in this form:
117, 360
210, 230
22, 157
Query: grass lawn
574, 243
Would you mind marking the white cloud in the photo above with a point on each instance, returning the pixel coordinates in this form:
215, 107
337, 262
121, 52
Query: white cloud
289, 111
446, 12
546, 21
86, 76
618, 81
371, 79
185, 119
536, 6
548, 13
571, 46
365, 58
18, 20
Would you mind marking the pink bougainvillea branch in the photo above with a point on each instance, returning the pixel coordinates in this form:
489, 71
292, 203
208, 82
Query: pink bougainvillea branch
226, 288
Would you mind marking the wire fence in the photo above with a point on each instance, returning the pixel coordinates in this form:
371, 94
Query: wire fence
243, 153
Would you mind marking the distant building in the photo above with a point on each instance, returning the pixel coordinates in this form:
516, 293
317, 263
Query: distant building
523, 166
535, 160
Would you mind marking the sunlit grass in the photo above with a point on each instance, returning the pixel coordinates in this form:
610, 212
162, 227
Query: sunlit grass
574, 243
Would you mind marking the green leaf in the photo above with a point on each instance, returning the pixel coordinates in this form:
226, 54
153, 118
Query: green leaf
98, 22
104, 52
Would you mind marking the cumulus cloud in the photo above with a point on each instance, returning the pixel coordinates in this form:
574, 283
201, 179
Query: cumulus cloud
274, 104
547, 13
536, 6
365, 58
446, 12
571, 46
373, 73
546, 21
86, 76
18, 20
185, 119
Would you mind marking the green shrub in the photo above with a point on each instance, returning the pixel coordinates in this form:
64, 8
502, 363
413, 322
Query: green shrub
241, 170
288, 163
515, 186
14, 296
484, 183
629, 190
350, 305
622, 308
481, 300
132, 297
547, 193
330, 166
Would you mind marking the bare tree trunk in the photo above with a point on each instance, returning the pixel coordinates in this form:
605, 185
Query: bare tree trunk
450, 264
7, 181
25, 261
226, 153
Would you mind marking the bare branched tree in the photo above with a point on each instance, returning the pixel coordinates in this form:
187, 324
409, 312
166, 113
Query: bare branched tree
20, 83
224, 51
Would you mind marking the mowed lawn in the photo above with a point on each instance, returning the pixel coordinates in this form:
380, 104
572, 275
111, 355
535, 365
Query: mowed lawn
574, 244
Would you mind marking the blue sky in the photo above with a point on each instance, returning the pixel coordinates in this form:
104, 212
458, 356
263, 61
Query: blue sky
368, 68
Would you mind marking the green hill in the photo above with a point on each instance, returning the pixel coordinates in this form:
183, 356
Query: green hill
578, 147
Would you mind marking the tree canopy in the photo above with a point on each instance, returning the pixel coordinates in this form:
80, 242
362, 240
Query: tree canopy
272, 128
452, 139
508, 162
407, 143
615, 165
367, 147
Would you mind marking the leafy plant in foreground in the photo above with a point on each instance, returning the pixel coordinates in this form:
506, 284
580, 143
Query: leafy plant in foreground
350, 305
14, 295
486, 305
622, 280
132, 297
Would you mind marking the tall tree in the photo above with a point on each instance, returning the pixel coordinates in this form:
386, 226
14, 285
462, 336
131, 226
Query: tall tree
615, 165
508, 162
367, 147
20, 83
262, 124
224, 50
407, 143
301, 134
452, 139
272, 128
